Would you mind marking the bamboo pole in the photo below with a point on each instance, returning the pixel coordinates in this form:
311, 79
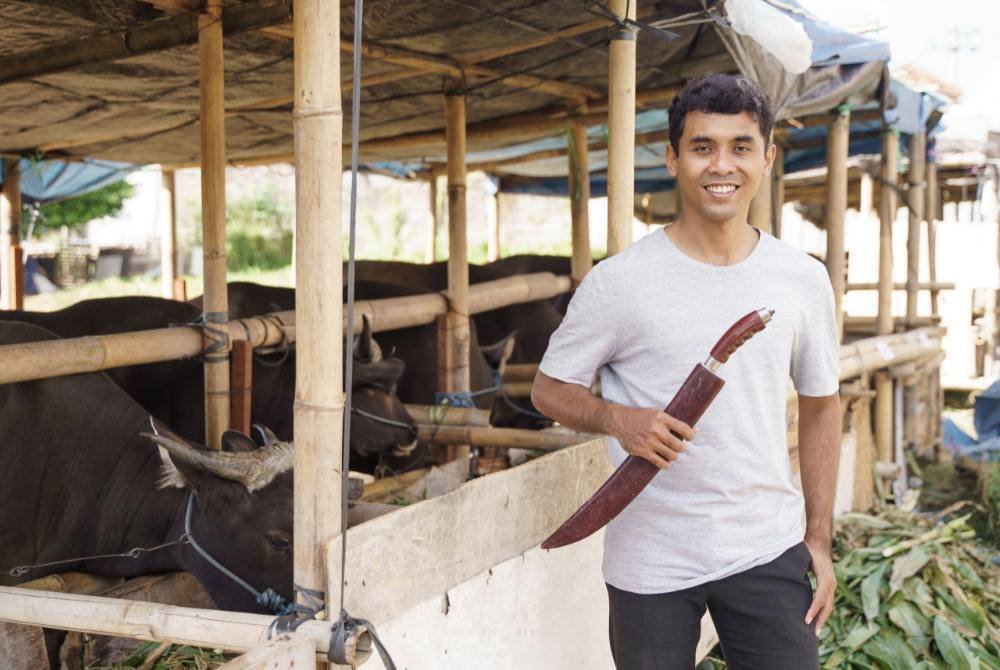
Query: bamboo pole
621, 129
284, 652
930, 215
241, 386
213, 208
50, 358
884, 325
778, 197
493, 229
915, 205
430, 247
168, 236
901, 286
214, 629
520, 372
760, 207
882, 351
837, 137
500, 437
449, 416
456, 336
12, 277
579, 200
319, 393
866, 194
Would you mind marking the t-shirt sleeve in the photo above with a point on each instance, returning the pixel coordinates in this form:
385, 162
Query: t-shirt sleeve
585, 340
815, 365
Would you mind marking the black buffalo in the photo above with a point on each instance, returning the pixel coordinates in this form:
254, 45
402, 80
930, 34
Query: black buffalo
172, 391
82, 474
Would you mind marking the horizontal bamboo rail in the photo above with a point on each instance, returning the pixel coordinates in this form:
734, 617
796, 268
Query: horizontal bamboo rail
214, 629
520, 372
901, 286
500, 437
875, 353
449, 416
51, 358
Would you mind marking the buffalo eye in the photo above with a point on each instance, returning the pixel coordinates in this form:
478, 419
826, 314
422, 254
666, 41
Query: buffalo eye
279, 543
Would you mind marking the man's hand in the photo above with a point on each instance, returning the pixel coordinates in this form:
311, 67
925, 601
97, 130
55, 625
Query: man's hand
826, 583
647, 433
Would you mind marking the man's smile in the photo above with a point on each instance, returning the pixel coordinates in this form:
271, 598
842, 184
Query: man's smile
721, 191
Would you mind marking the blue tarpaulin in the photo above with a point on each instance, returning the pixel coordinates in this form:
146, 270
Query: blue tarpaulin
986, 420
48, 181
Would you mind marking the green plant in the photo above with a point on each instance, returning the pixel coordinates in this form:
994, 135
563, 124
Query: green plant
105, 201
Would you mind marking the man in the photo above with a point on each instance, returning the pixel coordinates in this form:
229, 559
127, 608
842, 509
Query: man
721, 525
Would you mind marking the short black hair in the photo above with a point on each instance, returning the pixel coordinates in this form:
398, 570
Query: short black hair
721, 94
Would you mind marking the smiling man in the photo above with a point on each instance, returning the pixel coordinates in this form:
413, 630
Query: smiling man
723, 526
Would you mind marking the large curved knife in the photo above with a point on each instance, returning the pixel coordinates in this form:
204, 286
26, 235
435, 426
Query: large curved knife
690, 402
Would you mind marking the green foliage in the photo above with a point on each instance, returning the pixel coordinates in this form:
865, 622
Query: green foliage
105, 201
258, 232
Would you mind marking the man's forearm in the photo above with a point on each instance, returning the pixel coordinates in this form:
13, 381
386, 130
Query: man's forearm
819, 456
575, 407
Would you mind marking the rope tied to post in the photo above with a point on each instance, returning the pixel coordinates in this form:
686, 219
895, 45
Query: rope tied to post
624, 28
218, 350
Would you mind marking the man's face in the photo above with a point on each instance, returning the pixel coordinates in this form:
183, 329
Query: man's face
721, 162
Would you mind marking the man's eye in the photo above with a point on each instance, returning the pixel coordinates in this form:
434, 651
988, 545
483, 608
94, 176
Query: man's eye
742, 148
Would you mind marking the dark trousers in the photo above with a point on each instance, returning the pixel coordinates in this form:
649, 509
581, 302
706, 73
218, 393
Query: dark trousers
759, 615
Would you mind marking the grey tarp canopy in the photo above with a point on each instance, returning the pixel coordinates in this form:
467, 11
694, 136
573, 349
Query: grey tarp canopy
144, 108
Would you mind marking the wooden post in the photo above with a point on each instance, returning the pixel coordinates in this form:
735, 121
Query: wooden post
778, 197
168, 237
915, 205
213, 208
11, 261
837, 138
760, 207
430, 250
493, 232
621, 129
930, 214
579, 200
884, 323
240, 386
456, 373
319, 391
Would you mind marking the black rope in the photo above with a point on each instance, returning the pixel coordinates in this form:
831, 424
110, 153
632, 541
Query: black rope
624, 28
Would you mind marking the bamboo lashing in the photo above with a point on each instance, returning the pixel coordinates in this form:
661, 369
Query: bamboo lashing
621, 128
213, 208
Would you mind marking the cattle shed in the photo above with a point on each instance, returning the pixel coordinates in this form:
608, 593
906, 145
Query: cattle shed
447, 86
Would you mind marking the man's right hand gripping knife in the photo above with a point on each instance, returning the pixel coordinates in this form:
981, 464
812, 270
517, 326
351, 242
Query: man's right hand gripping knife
632, 476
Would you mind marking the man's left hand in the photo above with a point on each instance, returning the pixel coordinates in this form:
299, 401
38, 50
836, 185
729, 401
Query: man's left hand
826, 583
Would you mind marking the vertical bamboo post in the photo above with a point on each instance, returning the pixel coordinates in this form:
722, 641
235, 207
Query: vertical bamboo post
930, 214
11, 265
778, 197
884, 324
621, 129
457, 319
430, 249
837, 138
493, 229
579, 200
213, 208
760, 207
866, 195
915, 205
319, 391
168, 236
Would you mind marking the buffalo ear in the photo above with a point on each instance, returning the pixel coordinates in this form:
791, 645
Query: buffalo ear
387, 372
498, 353
235, 441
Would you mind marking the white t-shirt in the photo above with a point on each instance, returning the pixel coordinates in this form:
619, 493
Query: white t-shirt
644, 318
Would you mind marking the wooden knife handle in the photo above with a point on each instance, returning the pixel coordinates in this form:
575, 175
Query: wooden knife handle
740, 332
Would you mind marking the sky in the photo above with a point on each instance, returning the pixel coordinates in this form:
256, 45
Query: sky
956, 40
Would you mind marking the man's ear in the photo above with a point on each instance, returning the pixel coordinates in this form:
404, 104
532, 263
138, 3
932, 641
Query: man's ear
671, 159
769, 156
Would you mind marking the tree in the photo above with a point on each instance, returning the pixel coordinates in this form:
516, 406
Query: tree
76, 211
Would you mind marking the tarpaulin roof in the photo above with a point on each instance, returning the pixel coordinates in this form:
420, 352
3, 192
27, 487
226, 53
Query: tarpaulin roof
50, 181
